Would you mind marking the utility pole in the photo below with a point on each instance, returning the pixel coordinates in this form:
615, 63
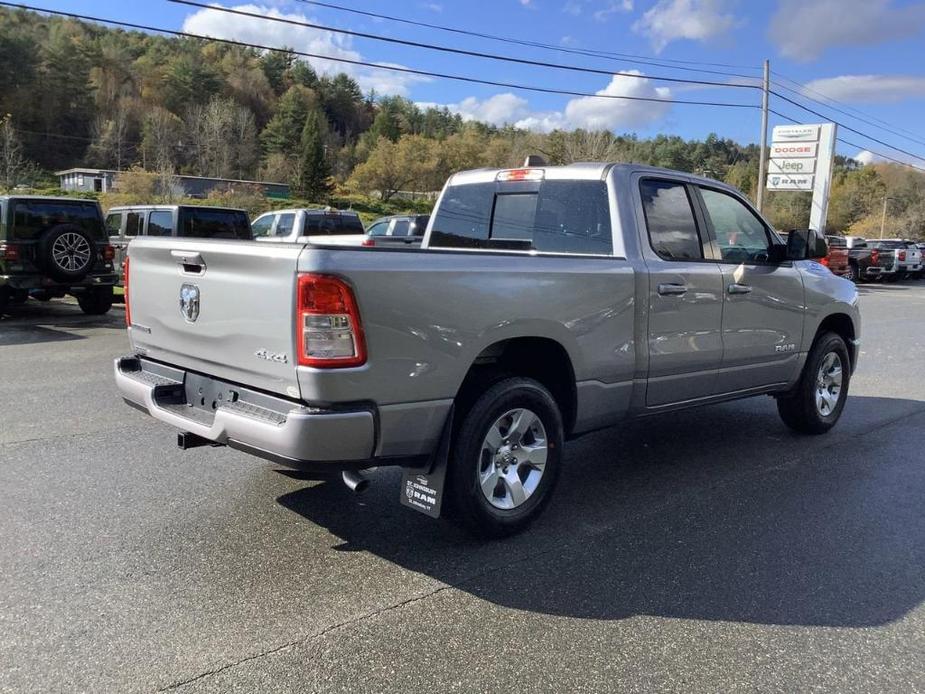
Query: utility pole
763, 158
883, 216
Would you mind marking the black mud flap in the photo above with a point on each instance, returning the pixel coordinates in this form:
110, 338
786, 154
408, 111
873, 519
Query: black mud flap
422, 487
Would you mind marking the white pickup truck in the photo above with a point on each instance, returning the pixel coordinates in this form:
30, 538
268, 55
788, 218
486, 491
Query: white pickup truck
544, 303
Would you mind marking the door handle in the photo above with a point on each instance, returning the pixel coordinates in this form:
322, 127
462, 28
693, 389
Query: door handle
669, 289
736, 288
189, 261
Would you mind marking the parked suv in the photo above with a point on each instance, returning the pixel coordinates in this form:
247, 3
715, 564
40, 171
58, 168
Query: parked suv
290, 225
50, 247
187, 221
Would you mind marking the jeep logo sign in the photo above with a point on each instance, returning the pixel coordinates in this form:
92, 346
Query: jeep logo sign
792, 166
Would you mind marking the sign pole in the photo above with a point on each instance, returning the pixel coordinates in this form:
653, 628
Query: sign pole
822, 183
763, 158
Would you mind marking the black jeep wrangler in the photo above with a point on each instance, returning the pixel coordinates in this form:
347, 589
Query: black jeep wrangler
50, 247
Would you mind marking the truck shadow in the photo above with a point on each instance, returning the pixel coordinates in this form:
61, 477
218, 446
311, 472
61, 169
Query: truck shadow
712, 514
54, 321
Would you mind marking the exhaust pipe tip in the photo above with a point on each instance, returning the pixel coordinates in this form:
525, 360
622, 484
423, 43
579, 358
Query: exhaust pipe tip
355, 482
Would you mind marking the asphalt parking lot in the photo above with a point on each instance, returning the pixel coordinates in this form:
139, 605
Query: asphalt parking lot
705, 551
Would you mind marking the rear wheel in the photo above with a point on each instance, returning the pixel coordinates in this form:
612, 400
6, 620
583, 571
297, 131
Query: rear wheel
816, 404
96, 301
505, 458
852, 273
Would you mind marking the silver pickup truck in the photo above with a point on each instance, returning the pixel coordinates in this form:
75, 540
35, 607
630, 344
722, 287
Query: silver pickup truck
544, 303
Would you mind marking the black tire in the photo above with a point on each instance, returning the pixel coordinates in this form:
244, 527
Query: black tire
852, 273
798, 408
96, 301
67, 253
466, 501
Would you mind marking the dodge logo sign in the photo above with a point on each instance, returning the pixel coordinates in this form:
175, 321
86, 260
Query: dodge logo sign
189, 302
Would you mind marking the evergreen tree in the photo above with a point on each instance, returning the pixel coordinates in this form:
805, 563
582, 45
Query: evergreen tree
314, 174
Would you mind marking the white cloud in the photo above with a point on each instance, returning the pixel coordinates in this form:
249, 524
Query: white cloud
601, 10
610, 114
696, 20
585, 112
804, 29
865, 156
225, 25
871, 89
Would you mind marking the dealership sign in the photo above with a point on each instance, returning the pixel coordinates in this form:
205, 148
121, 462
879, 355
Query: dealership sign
801, 160
794, 149
789, 182
791, 166
795, 133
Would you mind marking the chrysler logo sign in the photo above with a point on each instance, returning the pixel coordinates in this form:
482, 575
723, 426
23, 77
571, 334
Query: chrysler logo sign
189, 302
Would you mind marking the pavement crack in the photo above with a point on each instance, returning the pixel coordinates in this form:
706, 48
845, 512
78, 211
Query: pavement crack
308, 638
564, 545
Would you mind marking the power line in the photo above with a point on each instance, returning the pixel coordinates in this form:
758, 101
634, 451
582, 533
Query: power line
852, 144
626, 57
459, 51
877, 123
846, 127
806, 88
361, 63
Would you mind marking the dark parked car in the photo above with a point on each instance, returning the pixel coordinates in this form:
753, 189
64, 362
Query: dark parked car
397, 230
50, 247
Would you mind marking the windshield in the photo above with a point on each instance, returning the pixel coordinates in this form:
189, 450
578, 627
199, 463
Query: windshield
32, 218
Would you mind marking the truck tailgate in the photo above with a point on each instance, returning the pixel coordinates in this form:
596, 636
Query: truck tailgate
225, 308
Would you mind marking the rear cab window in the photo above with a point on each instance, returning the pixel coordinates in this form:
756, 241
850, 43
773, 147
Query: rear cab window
33, 218
206, 223
160, 223
332, 224
551, 216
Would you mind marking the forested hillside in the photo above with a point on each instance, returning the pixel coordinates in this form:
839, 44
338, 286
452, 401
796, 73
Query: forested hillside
84, 95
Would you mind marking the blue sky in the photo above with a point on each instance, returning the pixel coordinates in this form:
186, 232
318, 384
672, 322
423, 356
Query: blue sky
868, 54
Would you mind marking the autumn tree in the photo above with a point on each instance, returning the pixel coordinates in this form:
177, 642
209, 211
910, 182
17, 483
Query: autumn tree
395, 166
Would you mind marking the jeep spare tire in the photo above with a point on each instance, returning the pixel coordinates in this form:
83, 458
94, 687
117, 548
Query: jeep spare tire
67, 253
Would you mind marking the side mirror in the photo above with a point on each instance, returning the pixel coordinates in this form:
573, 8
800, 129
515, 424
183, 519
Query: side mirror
806, 244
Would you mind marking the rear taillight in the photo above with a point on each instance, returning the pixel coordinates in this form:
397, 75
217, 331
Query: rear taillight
902, 255
824, 261
109, 254
875, 256
9, 251
329, 333
128, 310
368, 242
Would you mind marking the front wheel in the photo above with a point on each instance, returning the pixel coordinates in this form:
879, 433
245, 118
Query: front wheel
505, 459
95, 302
816, 404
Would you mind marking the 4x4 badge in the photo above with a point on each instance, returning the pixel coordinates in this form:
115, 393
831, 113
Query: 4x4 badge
189, 302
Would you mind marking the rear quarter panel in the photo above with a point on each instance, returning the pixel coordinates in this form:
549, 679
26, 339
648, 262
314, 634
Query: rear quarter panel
428, 314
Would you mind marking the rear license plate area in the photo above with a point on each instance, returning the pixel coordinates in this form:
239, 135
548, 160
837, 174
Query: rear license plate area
206, 393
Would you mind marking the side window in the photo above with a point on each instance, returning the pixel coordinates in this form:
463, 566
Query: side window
741, 236
133, 224
400, 228
285, 223
262, 225
114, 223
670, 220
160, 223
378, 229
463, 216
